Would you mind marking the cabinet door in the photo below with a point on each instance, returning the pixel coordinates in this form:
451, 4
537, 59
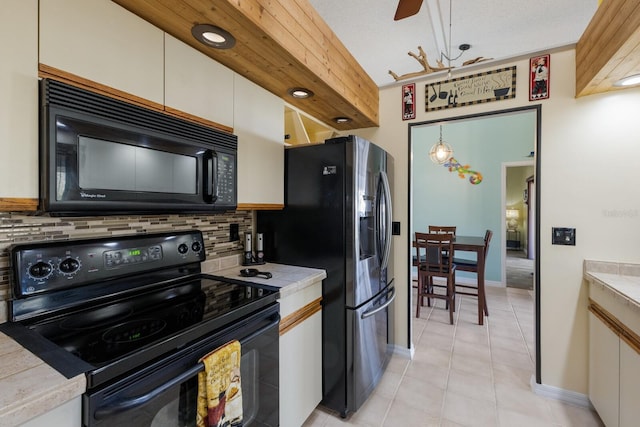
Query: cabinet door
629, 385
103, 42
259, 124
604, 371
196, 84
300, 358
68, 414
19, 100
300, 371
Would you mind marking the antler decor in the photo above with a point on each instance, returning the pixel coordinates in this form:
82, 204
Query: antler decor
421, 57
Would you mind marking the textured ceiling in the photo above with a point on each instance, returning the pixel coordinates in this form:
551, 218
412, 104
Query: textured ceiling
495, 29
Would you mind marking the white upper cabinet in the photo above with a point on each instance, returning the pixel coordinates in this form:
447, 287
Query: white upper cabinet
19, 100
196, 84
259, 125
101, 41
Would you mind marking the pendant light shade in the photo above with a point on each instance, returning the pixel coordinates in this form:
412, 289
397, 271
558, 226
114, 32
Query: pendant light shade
441, 151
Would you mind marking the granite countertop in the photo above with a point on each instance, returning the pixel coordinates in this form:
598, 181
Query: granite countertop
290, 279
29, 387
623, 279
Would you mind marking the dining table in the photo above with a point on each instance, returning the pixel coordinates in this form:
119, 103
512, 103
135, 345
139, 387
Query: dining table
473, 244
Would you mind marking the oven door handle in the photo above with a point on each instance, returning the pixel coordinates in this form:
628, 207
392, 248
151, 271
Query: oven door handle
134, 402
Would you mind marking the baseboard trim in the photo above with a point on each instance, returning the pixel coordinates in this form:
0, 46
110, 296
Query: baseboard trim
404, 351
568, 396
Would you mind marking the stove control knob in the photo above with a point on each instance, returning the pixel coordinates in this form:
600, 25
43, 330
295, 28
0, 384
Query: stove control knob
196, 246
69, 265
40, 270
183, 248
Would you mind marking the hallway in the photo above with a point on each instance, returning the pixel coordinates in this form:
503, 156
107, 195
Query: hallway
465, 374
519, 270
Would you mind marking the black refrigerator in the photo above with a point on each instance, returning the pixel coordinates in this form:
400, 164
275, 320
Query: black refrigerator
337, 217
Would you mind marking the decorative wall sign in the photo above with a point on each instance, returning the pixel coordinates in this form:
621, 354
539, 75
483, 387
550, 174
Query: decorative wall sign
540, 67
409, 101
489, 86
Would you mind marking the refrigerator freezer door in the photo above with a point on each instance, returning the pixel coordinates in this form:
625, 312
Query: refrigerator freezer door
371, 350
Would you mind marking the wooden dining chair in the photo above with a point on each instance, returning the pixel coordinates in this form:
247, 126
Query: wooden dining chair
437, 229
430, 249
443, 229
471, 265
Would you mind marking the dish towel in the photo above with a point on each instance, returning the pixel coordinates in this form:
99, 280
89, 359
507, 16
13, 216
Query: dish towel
219, 390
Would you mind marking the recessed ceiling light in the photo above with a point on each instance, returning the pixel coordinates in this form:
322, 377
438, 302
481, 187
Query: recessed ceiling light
213, 36
300, 93
341, 120
628, 81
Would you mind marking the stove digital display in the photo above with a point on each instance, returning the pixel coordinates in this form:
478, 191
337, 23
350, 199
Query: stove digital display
124, 257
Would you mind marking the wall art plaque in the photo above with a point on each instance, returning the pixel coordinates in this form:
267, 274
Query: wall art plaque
494, 85
409, 101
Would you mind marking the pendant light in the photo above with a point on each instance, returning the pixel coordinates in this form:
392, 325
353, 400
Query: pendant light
440, 152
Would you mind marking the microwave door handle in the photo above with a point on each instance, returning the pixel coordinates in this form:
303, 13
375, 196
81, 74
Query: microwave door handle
210, 184
136, 401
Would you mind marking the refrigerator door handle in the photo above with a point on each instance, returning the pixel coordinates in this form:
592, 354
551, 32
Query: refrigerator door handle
386, 188
369, 313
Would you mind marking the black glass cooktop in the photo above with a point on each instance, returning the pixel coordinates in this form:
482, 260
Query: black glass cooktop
116, 336
101, 334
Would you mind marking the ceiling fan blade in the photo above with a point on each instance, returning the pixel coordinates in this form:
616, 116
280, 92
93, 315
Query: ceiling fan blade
407, 8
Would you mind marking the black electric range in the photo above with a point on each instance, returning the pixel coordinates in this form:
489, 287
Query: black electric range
105, 307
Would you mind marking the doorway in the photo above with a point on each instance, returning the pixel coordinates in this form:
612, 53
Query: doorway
432, 199
518, 256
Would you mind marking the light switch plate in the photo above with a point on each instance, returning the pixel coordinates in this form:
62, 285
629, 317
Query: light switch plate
395, 228
563, 236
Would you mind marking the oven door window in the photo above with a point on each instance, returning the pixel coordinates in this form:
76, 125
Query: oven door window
145, 400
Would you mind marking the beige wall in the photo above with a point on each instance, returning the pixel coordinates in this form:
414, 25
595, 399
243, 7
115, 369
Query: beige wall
590, 147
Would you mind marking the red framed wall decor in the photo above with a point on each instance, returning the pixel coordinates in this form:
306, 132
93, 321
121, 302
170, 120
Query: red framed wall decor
539, 77
409, 101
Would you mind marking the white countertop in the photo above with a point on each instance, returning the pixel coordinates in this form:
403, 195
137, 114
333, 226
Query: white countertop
623, 279
29, 387
290, 279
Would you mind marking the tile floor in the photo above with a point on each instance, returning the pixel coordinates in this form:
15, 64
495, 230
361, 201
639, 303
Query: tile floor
465, 374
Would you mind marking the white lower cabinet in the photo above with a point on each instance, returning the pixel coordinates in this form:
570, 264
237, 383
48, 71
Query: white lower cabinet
300, 359
66, 415
604, 371
629, 385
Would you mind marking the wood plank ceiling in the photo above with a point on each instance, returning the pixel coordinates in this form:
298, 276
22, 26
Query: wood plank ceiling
280, 44
609, 48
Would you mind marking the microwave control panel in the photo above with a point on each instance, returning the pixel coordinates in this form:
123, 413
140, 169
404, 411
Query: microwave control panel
226, 179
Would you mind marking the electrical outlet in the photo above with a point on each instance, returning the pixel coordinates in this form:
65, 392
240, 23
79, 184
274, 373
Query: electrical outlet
234, 232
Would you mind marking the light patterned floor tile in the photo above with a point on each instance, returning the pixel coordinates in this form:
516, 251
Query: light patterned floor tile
465, 375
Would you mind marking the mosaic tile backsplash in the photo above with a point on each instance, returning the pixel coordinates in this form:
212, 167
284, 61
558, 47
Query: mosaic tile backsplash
16, 228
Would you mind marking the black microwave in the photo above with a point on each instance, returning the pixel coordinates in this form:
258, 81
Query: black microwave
101, 156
